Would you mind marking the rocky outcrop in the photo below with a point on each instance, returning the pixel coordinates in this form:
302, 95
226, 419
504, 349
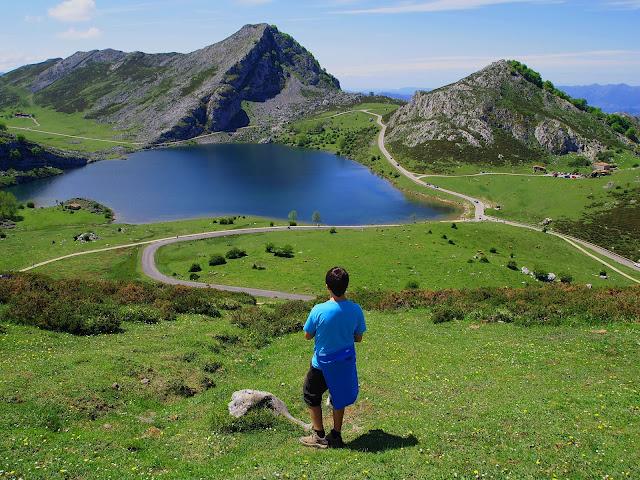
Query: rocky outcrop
497, 103
174, 96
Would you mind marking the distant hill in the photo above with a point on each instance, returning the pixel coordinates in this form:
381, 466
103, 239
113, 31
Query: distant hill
504, 113
610, 98
257, 75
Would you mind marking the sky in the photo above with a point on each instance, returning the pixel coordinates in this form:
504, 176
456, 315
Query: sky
367, 44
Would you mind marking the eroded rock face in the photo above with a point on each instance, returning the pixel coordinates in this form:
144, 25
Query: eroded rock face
492, 102
173, 96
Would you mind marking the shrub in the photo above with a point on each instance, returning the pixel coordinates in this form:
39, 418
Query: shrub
31, 205
446, 313
454, 226
269, 247
444, 237
8, 205
284, 252
412, 285
192, 301
257, 266
333, 230
194, 277
451, 242
195, 267
603, 273
50, 313
227, 221
236, 253
216, 260
3, 235
493, 250
566, 278
512, 265
141, 314
502, 315
541, 275
484, 260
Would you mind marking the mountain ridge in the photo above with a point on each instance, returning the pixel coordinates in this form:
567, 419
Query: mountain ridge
176, 96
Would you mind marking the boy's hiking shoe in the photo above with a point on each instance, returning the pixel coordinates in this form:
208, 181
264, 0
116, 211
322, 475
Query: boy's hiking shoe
335, 439
314, 441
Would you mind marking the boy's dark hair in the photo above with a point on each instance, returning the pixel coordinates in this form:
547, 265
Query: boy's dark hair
337, 280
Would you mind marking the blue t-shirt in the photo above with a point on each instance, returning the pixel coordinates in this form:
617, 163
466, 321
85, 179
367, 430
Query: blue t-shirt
333, 325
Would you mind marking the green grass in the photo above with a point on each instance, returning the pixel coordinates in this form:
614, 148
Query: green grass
32, 240
388, 258
437, 401
64, 123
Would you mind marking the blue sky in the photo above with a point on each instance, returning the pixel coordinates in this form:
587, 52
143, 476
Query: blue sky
367, 44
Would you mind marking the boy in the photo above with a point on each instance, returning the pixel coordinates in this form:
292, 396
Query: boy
335, 325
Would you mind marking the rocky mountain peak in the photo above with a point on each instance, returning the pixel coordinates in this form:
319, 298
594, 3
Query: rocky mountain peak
501, 113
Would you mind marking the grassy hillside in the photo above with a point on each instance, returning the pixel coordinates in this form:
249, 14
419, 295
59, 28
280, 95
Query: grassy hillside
604, 210
466, 399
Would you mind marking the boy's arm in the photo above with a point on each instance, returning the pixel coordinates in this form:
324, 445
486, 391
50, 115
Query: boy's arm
360, 328
310, 326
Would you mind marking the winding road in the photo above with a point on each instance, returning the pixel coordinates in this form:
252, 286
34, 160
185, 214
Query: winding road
150, 268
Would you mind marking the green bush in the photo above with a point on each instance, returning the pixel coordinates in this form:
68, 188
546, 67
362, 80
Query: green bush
566, 278
541, 275
216, 260
269, 247
333, 230
493, 250
412, 285
30, 204
236, 253
284, 252
44, 311
194, 277
484, 259
227, 221
446, 313
141, 314
8, 205
195, 267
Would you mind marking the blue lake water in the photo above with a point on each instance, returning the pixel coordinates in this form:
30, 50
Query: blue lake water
213, 180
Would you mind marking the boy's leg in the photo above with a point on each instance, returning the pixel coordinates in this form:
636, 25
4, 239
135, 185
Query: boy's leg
338, 416
316, 418
314, 387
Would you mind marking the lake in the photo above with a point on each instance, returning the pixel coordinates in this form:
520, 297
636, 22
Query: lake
234, 179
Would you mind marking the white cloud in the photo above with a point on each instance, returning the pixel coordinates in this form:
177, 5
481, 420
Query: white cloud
590, 59
74, 10
73, 34
625, 4
437, 6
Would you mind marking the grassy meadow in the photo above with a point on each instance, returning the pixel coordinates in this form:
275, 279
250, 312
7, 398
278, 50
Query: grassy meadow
46, 233
65, 123
462, 399
415, 256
